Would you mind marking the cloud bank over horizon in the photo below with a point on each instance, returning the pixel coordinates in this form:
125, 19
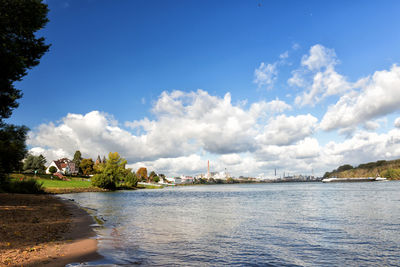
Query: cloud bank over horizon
188, 128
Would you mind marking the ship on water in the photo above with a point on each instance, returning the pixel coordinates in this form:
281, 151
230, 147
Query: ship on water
357, 179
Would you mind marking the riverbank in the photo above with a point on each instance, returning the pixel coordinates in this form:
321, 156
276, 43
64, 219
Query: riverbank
43, 230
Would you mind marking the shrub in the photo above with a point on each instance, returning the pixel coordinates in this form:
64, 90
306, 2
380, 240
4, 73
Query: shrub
52, 169
103, 180
345, 168
30, 186
230, 181
391, 173
156, 179
131, 179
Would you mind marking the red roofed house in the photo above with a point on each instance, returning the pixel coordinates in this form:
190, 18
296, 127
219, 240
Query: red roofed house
64, 166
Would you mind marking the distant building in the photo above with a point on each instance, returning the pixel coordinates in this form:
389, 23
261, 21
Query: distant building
175, 180
64, 166
187, 179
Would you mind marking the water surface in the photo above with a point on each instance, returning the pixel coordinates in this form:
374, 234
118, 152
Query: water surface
286, 224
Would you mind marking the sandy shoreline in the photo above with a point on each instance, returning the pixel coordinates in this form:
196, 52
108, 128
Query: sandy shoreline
43, 230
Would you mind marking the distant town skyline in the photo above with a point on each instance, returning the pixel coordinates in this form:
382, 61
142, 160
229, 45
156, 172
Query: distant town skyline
299, 86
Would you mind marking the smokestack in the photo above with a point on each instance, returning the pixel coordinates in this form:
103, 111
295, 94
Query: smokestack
208, 168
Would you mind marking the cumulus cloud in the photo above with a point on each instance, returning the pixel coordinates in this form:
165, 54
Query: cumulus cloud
284, 130
189, 164
97, 133
324, 84
230, 159
265, 75
319, 57
184, 123
269, 108
364, 146
319, 67
297, 79
379, 95
371, 125
397, 122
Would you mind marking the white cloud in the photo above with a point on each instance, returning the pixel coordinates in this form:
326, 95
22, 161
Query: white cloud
189, 164
319, 67
319, 57
284, 130
297, 79
230, 159
371, 125
284, 55
269, 108
324, 84
185, 123
363, 147
379, 96
295, 46
397, 123
265, 75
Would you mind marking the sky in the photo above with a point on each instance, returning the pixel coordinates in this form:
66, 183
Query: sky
252, 86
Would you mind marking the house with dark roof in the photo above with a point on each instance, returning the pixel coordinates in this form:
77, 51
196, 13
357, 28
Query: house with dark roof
64, 166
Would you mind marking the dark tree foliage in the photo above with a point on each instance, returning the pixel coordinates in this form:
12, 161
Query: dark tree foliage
34, 163
12, 149
77, 160
86, 166
326, 175
20, 49
371, 165
131, 179
52, 169
344, 168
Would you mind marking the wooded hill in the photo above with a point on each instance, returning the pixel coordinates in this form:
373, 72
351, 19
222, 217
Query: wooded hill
389, 169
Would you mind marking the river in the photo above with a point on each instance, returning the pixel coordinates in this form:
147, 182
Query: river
282, 224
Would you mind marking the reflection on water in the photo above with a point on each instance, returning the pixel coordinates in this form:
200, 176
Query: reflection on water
291, 224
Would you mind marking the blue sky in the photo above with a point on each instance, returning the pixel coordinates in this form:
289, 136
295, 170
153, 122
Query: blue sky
120, 62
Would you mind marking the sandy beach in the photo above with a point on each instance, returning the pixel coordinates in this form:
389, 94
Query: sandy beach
43, 230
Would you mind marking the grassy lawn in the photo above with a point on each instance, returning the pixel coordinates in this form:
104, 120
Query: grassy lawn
75, 182
64, 184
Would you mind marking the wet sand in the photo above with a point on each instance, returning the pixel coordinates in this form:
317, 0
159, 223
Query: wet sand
43, 230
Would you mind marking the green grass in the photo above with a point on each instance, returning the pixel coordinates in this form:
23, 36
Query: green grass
141, 186
75, 182
64, 184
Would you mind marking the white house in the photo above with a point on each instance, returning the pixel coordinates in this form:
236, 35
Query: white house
64, 166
